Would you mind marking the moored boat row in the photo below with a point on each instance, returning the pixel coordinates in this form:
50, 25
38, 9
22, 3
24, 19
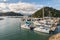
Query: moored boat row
41, 25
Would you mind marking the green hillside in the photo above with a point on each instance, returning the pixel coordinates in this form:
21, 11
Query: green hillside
10, 14
48, 11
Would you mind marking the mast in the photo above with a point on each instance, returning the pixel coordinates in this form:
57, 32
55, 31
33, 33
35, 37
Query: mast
43, 13
49, 15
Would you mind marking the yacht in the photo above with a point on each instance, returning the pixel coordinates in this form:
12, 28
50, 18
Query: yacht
43, 26
28, 24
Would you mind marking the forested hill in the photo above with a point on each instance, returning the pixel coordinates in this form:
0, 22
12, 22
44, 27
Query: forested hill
10, 14
48, 11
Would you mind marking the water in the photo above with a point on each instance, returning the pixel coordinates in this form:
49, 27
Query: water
10, 30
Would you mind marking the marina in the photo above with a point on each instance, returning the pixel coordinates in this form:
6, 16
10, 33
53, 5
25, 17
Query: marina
10, 29
42, 25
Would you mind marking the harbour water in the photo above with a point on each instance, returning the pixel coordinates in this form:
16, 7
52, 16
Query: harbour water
10, 30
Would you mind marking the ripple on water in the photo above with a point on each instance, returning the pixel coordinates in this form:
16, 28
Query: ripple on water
10, 30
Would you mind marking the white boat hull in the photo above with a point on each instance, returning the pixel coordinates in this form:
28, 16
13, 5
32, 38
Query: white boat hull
41, 30
36, 29
25, 26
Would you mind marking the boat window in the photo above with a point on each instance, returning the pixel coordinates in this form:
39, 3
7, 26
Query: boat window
28, 19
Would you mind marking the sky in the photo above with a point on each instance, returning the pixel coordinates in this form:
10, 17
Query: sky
27, 6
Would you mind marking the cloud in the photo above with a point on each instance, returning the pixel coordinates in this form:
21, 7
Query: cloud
22, 7
3, 7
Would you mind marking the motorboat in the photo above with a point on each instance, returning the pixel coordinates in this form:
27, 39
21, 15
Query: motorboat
28, 25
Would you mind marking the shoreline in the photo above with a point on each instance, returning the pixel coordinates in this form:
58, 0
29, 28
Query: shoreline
55, 37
